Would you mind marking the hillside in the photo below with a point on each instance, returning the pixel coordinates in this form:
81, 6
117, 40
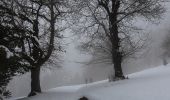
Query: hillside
152, 84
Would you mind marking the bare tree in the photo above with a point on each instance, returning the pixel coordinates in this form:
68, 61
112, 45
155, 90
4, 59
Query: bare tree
166, 47
37, 18
108, 24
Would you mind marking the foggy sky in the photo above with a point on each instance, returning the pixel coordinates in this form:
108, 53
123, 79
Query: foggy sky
76, 73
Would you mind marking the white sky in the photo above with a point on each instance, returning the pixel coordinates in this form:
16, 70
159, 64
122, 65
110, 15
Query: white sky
74, 73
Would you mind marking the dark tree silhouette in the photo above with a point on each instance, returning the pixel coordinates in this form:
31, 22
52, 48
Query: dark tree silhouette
110, 31
36, 18
10, 61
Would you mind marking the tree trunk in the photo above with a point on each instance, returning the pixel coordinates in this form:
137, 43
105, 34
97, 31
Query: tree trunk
35, 72
35, 81
117, 60
164, 61
116, 53
115, 40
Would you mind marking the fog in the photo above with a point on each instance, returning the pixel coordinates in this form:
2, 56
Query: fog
73, 72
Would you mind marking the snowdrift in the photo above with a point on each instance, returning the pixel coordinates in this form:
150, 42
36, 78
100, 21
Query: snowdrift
152, 84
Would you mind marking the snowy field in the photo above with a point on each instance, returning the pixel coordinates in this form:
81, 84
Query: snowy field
152, 84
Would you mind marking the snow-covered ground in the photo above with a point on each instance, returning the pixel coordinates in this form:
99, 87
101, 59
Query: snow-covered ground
152, 84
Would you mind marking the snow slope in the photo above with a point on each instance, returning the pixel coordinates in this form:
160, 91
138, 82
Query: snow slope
152, 84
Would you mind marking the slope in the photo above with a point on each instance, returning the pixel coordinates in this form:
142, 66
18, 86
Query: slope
152, 84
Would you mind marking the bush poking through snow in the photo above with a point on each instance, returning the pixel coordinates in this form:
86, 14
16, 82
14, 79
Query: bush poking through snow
84, 98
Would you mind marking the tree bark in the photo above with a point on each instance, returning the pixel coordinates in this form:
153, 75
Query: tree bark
116, 53
35, 81
117, 60
35, 72
115, 39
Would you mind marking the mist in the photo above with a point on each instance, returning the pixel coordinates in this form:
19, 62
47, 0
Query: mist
74, 72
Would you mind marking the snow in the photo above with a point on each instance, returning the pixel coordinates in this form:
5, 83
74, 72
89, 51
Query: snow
9, 53
152, 84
